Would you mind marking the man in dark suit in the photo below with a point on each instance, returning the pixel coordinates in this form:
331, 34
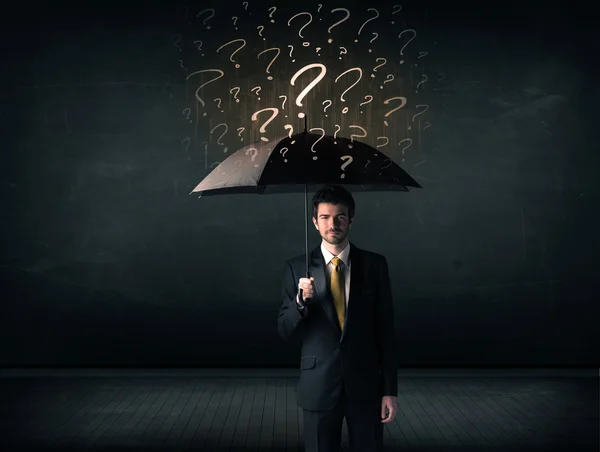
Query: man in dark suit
345, 318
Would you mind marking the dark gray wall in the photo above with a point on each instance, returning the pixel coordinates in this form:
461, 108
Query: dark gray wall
107, 260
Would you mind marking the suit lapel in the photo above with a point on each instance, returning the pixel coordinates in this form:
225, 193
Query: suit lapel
356, 274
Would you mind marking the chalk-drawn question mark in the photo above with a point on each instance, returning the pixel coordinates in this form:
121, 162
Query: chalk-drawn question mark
199, 44
283, 151
222, 135
389, 78
197, 93
328, 105
349, 159
407, 42
187, 145
338, 128
387, 140
402, 100
263, 127
291, 128
291, 50
312, 148
343, 51
311, 85
409, 140
270, 77
181, 64
357, 136
245, 6
379, 65
303, 27
422, 54
366, 102
240, 130
345, 110
319, 7
212, 14
176, 43
218, 103
252, 155
257, 90
237, 91
423, 80
238, 49
235, 19
367, 21
345, 18
272, 9
421, 112
396, 9
189, 110
260, 29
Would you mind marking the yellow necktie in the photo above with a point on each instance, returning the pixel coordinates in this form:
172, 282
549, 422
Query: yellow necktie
338, 290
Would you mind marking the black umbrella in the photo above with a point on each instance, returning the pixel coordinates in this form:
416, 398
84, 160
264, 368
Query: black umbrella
292, 163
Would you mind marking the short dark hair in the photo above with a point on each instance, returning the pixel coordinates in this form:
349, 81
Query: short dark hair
333, 194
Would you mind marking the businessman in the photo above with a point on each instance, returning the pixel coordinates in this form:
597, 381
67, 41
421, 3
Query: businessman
344, 316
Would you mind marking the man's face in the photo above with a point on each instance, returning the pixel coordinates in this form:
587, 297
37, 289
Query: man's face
333, 222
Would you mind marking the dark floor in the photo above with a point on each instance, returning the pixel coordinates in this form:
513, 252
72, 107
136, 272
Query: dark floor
259, 412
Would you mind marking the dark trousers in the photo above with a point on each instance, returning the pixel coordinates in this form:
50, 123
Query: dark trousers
323, 429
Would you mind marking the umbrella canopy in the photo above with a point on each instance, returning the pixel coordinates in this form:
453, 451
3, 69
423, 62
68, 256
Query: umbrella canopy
290, 164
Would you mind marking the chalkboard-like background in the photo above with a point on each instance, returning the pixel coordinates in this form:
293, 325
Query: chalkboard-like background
106, 259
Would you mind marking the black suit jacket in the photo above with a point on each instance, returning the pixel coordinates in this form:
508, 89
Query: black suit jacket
364, 355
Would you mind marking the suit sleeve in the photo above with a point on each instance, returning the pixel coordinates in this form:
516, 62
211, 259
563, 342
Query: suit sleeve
290, 315
386, 332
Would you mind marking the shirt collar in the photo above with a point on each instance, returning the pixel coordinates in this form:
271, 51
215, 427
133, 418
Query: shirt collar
344, 255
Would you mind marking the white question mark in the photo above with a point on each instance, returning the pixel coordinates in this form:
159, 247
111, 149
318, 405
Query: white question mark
367, 21
421, 112
239, 48
261, 28
388, 80
404, 46
257, 88
402, 100
222, 135
187, 144
181, 64
273, 8
235, 19
204, 84
379, 65
367, 101
396, 9
338, 22
199, 44
387, 140
328, 105
263, 127
349, 159
245, 6
303, 27
345, 110
312, 148
270, 77
218, 103
319, 8
283, 103
317, 50
357, 136
291, 127
343, 51
283, 151
212, 11
423, 80
236, 92
406, 147
311, 85
240, 130
252, 154
189, 110
336, 132
291, 50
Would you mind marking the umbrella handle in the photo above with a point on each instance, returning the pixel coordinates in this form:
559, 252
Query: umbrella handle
300, 297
